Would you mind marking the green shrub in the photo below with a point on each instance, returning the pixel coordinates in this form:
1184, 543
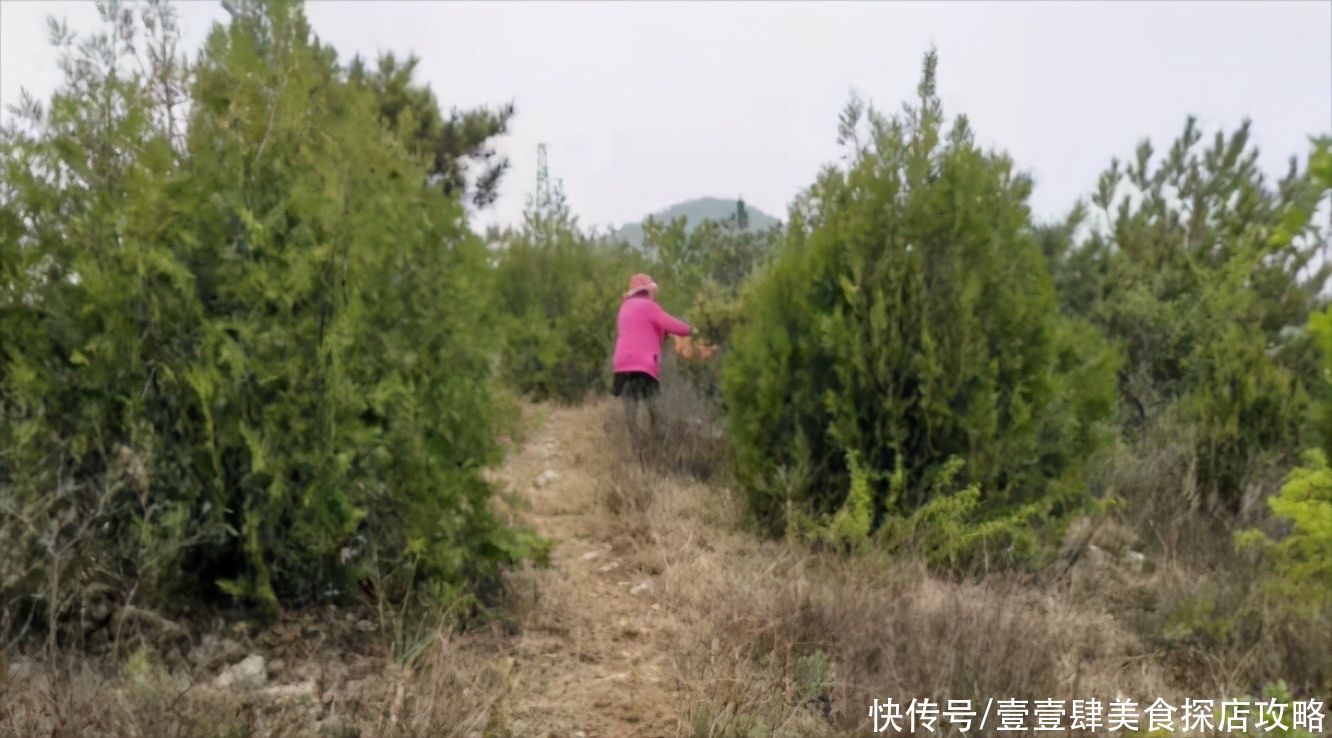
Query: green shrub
558, 291
1293, 597
951, 533
1204, 274
908, 319
1302, 558
250, 355
705, 269
713, 258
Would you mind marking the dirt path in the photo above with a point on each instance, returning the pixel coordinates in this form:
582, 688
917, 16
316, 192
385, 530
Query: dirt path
594, 656
660, 614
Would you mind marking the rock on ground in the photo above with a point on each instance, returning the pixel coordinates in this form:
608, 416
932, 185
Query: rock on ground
248, 673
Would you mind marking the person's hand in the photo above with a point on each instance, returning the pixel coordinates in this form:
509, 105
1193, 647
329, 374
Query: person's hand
692, 348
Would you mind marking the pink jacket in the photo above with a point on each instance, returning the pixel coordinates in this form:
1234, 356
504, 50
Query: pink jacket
640, 327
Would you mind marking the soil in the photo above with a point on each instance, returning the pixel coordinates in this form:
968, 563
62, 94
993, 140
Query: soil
595, 648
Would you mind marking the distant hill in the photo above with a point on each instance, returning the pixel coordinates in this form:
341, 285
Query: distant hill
695, 212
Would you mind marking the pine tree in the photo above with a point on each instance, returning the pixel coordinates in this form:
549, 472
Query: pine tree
449, 146
252, 359
1193, 277
558, 289
908, 319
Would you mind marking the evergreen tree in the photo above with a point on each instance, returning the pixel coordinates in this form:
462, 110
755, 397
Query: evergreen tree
713, 257
558, 290
258, 361
1193, 277
908, 319
449, 146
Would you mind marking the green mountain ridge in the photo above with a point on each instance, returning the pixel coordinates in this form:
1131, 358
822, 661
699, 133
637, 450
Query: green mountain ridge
695, 211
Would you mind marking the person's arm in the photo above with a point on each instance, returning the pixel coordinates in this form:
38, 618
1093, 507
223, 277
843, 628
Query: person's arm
671, 324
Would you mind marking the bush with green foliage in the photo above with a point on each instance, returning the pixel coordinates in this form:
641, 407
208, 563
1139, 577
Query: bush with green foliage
701, 271
449, 147
1302, 558
713, 257
906, 320
246, 353
558, 291
1291, 604
1194, 266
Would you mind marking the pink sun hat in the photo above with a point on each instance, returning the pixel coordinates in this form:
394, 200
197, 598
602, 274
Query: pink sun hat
640, 283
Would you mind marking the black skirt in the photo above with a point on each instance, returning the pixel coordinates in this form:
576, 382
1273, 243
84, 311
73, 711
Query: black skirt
635, 385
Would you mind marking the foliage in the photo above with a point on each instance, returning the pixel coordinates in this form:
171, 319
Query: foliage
713, 256
1204, 274
950, 531
250, 357
449, 146
1302, 558
907, 319
1078, 273
558, 290
701, 270
1319, 328
1297, 555
850, 525
696, 212
951, 534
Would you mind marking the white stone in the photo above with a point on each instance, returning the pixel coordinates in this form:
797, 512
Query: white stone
297, 691
1097, 557
248, 673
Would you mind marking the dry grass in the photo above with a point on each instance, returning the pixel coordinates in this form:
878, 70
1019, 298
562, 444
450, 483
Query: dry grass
781, 640
1200, 606
730, 634
1200, 603
451, 691
778, 639
690, 439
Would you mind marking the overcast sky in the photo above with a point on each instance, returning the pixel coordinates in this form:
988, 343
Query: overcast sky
644, 105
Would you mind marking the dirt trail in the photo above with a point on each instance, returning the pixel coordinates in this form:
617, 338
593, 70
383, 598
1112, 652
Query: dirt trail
594, 655
660, 614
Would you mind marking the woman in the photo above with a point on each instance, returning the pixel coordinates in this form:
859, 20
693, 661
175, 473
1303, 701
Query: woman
640, 327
